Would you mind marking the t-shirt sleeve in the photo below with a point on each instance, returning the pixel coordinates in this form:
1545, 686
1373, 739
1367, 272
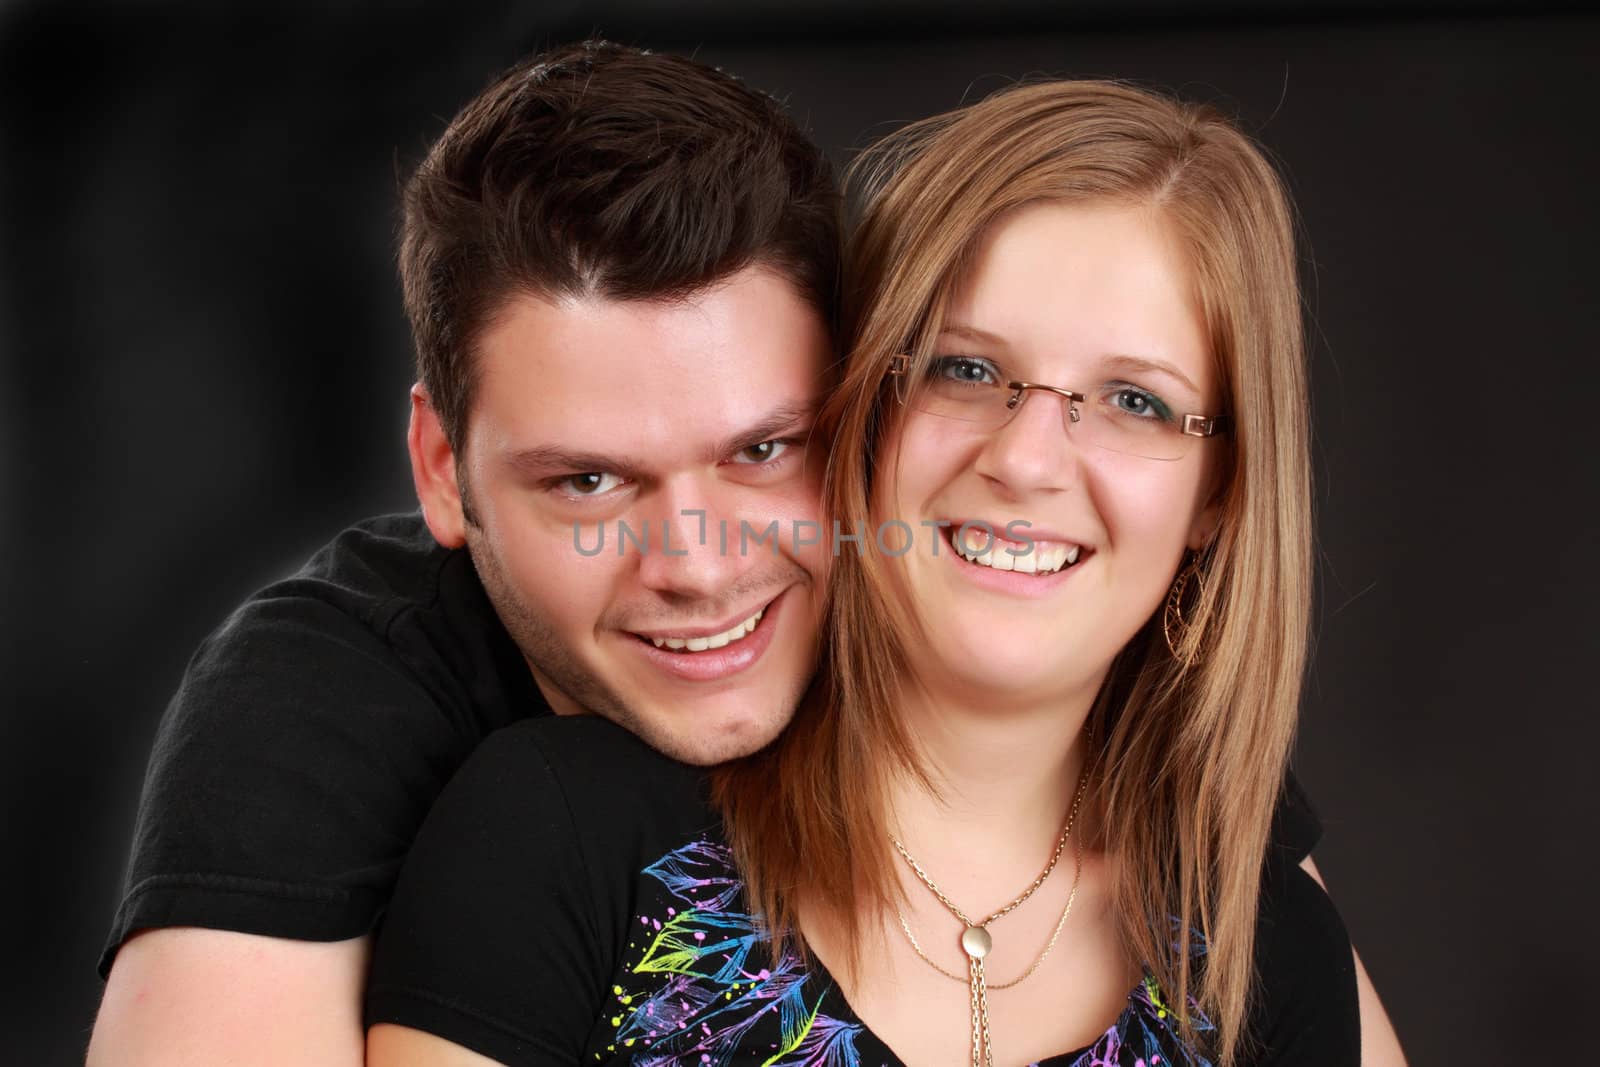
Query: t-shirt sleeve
492, 940
286, 781
1296, 828
1305, 1013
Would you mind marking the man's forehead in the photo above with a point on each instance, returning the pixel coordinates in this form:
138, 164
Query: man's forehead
754, 317
754, 344
591, 372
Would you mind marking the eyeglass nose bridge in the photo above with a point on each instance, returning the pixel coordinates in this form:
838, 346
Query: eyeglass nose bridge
1014, 401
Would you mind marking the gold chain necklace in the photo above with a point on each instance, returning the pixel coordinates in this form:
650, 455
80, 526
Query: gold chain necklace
976, 941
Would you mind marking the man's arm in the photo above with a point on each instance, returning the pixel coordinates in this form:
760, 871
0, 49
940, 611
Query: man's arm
286, 781
188, 997
1380, 1045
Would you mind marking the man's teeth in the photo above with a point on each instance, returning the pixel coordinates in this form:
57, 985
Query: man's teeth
1046, 557
700, 644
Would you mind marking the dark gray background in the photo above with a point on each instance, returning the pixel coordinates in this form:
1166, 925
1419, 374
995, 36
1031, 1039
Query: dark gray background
205, 364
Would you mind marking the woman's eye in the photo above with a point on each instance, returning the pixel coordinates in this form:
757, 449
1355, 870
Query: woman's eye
1131, 400
765, 452
964, 370
590, 483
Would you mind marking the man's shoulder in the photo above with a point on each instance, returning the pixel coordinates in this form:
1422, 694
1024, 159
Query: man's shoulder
384, 592
376, 570
381, 618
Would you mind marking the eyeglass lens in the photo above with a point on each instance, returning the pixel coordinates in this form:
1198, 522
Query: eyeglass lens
1119, 420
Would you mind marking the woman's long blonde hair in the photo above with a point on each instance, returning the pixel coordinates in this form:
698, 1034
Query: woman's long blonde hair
1189, 750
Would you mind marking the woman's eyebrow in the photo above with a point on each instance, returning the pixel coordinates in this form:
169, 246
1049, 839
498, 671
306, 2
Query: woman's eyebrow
971, 333
1113, 361
1119, 361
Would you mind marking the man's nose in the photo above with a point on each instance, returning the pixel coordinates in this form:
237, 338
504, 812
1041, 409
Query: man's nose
688, 557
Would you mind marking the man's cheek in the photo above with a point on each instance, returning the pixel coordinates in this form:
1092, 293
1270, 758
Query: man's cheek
803, 503
555, 579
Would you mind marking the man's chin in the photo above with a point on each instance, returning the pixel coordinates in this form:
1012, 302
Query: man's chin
706, 742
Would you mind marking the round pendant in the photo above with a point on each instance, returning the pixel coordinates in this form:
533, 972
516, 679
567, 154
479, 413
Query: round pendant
976, 942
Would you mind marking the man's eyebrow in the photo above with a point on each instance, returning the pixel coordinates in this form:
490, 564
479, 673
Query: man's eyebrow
776, 423
548, 460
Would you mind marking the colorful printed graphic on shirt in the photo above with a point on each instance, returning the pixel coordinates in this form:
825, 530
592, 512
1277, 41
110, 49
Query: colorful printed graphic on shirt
703, 987
1145, 1035
699, 988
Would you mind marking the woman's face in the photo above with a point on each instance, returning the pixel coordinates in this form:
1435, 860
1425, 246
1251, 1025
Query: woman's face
1098, 299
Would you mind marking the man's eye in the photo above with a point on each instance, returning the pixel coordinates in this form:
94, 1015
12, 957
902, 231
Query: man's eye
765, 452
589, 483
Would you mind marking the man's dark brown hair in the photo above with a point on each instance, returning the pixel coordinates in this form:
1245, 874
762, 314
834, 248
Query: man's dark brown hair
597, 169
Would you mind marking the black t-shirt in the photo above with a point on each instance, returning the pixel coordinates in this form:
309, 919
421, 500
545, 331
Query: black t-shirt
311, 734
571, 900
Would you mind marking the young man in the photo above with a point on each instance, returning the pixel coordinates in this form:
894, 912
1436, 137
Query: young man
620, 270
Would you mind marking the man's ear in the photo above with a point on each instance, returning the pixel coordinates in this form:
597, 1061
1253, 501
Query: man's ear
433, 472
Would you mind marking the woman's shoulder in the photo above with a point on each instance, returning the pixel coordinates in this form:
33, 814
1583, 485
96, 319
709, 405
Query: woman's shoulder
1305, 1010
521, 892
1296, 827
578, 787
591, 762
581, 742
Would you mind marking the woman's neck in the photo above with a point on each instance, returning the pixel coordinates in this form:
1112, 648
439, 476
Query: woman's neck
1003, 782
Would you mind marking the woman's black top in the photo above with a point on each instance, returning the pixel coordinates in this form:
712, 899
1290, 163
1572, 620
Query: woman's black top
571, 900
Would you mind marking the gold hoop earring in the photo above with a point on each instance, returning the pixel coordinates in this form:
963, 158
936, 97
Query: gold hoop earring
1173, 624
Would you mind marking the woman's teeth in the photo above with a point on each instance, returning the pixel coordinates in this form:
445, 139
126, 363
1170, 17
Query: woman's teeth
700, 644
1045, 557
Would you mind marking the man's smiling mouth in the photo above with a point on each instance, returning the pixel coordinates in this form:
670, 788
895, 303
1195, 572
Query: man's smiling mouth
706, 642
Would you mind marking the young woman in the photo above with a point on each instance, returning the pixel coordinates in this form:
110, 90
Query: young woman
1028, 816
